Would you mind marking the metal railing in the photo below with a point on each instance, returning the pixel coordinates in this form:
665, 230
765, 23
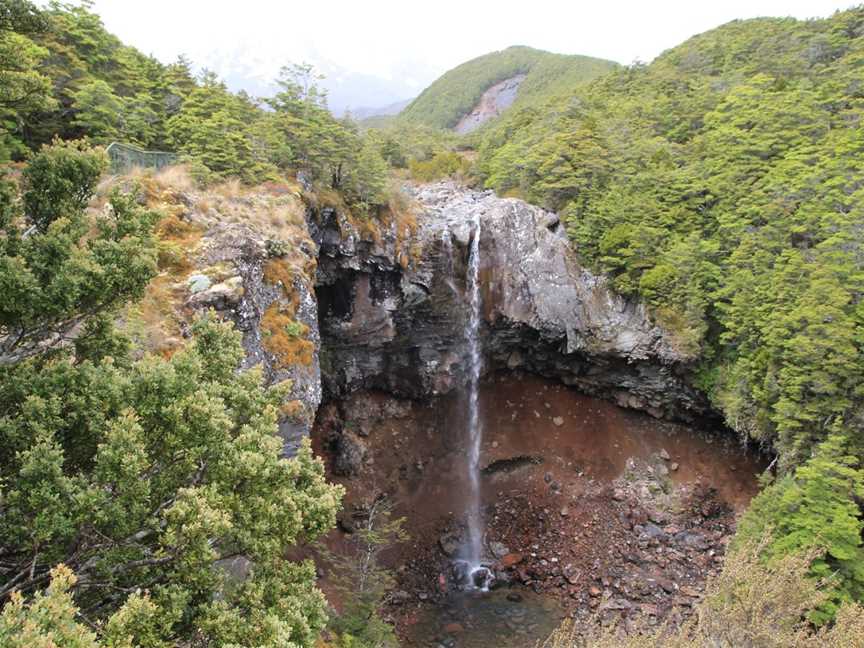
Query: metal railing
125, 156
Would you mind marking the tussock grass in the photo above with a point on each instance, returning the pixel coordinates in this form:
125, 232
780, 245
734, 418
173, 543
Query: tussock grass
748, 605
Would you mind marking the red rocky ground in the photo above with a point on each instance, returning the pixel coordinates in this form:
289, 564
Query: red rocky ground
612, 513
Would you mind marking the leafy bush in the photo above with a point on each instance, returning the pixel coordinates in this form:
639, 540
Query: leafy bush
442, 165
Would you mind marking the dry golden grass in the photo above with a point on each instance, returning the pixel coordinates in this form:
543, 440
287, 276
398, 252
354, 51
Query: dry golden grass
154, 321
285, 338
231, 189
749, 605
175, 177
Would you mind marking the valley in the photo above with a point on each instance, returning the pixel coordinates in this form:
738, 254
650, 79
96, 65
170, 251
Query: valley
561, 353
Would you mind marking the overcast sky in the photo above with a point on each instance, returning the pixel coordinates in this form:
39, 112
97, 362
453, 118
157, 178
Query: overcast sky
379, 51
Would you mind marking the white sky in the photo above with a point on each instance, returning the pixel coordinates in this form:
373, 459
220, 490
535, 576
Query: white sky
404, 45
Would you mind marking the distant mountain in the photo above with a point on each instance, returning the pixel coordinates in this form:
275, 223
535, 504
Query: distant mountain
366, 112
458, 92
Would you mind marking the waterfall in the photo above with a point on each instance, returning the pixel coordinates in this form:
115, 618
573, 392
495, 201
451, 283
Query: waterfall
477, 575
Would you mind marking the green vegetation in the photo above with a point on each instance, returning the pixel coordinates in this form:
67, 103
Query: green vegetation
63, 75
59, 268
815, 510
722, 184
441, 165
362, 582
144, 502
455, 94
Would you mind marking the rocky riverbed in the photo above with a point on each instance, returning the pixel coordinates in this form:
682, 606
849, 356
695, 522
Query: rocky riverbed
610, 513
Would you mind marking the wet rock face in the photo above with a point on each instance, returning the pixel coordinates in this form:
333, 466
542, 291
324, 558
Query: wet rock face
384, 324
395, 323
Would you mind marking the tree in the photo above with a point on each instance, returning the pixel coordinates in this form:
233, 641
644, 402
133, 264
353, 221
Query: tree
98, 111
61, 267
155, 475
368, 177
814, 511
362, 582
215, 128
320, 145
24, 89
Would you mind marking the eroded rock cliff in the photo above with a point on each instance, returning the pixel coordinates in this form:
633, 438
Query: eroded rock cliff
246, 256
324, 299
392, 320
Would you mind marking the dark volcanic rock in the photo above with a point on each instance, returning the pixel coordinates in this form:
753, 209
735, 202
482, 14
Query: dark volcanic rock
348, 454
394, 321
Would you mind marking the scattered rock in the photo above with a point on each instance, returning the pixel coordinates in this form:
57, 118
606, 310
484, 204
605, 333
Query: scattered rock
449, 543
346, 522
400, 597
511, 560
198, 283
498, 550
664, 455
558, 421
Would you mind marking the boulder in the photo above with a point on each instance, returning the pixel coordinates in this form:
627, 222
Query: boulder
449, 543
348, 454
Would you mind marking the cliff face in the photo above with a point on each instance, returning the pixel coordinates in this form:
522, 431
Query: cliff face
247, 257
398, 326
329, 304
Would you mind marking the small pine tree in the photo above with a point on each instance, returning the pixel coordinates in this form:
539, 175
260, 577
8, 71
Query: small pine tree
362, 582
815, 509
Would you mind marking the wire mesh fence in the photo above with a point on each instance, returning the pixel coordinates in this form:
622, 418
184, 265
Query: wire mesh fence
125, 156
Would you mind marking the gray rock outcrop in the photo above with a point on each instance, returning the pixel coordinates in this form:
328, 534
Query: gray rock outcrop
395, 323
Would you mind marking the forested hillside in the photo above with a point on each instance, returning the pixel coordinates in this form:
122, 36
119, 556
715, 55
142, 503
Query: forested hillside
722, 184
455, 93
63, 75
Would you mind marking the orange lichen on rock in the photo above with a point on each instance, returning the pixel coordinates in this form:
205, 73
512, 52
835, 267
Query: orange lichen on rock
280, 272
285, 337
294, 410
176, 238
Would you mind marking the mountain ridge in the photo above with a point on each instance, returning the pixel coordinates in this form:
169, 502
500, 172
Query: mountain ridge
456, 92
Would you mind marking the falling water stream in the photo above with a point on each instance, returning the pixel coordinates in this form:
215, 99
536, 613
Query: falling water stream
478, 576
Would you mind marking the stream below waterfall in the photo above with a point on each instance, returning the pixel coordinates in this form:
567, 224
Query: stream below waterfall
478, 620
